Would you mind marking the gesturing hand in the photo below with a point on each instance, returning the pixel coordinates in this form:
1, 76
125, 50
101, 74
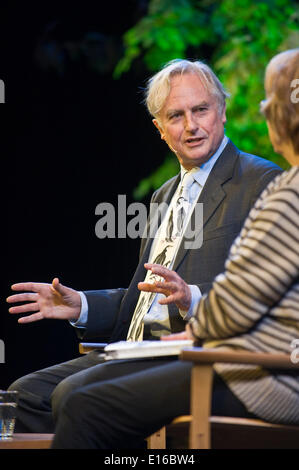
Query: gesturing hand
46, 300
174, 287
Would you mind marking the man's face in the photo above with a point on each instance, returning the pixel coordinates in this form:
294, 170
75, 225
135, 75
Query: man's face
190, 121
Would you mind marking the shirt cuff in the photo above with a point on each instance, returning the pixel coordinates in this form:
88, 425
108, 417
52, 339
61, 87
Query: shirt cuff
195, 298
83, 317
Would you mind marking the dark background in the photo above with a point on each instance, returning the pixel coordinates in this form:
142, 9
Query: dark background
71, 137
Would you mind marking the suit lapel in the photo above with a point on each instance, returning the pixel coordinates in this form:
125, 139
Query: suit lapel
211, 195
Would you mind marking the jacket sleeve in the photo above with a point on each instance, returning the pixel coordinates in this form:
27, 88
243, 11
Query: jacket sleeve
103, 308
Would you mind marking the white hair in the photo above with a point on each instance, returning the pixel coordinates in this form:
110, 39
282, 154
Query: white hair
158, 86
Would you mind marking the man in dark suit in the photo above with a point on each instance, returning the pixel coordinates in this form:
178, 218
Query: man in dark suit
187, 102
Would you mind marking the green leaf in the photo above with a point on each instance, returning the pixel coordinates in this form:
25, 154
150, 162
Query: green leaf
237, 38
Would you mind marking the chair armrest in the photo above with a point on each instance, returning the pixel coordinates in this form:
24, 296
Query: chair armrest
85, 348
210, 356
202, 378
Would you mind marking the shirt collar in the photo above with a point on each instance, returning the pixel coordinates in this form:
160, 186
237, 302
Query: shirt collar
201, 173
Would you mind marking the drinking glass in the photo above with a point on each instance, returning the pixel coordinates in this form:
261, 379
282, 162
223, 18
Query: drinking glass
8, 413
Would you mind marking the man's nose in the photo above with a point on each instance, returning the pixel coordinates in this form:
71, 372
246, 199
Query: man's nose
191, 124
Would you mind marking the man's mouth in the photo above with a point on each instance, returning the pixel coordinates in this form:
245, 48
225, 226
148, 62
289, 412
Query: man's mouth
194, 140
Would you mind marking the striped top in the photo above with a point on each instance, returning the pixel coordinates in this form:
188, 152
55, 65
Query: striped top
254, 304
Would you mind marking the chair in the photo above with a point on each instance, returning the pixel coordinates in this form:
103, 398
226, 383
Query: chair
207, 431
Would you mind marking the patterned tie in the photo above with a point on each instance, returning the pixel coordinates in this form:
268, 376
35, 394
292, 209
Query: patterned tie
183, 202
163, 254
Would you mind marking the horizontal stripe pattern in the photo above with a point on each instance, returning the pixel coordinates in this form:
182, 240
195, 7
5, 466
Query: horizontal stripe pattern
254, 304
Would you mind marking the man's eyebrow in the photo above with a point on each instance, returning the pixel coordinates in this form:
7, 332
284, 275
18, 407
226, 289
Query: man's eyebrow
202, 104
170, 112
173, 111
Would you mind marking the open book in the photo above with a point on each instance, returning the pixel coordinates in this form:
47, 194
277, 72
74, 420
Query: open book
139, 349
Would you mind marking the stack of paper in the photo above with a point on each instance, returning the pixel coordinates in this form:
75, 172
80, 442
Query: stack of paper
138, 349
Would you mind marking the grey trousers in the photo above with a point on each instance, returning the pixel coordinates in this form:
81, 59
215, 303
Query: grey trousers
121, 413
42, 393
116, 404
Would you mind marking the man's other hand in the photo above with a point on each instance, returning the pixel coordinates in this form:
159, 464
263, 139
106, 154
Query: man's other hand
173, 287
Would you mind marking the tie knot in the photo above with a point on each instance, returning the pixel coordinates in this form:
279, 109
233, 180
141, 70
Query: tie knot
186, 184
187, 179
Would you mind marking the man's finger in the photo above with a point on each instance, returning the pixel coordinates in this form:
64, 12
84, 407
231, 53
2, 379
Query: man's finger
28, 286
161, 271
31, 318
32, 307
168, 300
62, 290
169, 286
57, 286
148, 287
21, 298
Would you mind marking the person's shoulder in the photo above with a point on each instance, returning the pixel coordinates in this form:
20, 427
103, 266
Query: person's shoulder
284, 189
256, 162
249, 165
292, 176
289, 180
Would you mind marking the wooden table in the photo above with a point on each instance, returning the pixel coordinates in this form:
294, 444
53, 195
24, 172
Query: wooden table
27, 441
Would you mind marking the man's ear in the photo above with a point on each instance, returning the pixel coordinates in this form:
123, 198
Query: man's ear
224, 113
158, 126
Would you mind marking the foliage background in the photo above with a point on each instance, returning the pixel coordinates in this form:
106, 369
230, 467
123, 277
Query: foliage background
236, 38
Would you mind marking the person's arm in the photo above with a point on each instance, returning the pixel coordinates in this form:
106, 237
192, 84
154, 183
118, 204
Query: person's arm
55, 301
103, 307
262, 265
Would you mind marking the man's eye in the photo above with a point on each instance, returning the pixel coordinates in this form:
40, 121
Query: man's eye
175, 115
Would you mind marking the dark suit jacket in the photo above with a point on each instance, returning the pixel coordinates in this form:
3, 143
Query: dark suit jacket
234, 184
